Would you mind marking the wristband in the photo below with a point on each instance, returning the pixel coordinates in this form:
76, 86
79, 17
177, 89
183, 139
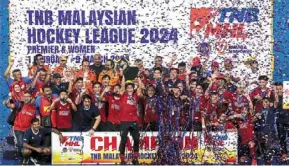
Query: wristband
93, 129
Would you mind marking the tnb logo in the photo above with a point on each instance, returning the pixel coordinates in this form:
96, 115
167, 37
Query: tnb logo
72, 141
230, 21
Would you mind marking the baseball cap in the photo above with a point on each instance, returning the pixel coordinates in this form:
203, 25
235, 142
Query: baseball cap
196, 61
215, 64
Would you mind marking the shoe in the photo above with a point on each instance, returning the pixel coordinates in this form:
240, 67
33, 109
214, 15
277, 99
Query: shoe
135, 162
25, 161
122, 163
34, 161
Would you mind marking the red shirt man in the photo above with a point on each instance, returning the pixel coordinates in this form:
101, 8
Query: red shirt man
239, 100
114, 107
26, 113
259, 93
62, 108
43, 104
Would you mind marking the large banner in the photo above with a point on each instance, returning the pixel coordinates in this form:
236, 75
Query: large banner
79, 148
142, 29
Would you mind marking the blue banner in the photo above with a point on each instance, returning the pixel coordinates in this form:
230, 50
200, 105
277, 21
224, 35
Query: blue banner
4, 53
281, 40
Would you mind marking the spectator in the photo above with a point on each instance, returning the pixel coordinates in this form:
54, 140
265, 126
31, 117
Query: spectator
87, 118
25, 113
42, 78
113, 99
42, 105
173, 81
247, 145
282, 118
266, 131
199, 103
151, 110
32, 142
37, 65
259, 93
79, 90
97, 67
17, 85
57, 85
111, 72
62, 108
239, 100
143, 73
87, 74
101, 105
158, 64
128, 118
62, 65
182, 71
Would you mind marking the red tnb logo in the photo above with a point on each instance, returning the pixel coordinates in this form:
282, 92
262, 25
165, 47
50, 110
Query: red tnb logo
230, 21
71, 141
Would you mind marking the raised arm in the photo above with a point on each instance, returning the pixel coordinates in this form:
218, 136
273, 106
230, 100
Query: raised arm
122, 89
7, 71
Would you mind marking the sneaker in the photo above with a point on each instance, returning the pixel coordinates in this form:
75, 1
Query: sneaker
122, 163
135, 162
34, 161
25, 161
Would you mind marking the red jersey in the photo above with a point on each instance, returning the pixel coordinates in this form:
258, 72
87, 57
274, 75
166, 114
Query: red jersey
101, 107
75, 92
129, 111
210, 112
226, 97
113, 110
38, 87
150, 110
24, 117
199, 106
246, 130
42, 104
228, 125
182, 77
21, 83
259, 105
239, 102
63, 115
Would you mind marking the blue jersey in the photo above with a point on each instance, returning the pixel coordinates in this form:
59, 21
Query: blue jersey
35, 140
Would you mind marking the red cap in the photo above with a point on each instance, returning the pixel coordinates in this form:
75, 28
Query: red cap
215, 64
214, 88
220, 76
196, 61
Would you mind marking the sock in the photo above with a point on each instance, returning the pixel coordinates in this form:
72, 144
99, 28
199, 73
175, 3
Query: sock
121, 157
135, 155
253, 152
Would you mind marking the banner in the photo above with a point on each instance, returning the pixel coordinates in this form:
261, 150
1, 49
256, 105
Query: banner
142, 29
78, 148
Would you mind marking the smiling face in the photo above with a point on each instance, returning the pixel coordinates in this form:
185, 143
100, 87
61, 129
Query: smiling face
173, 74
40, 61
96, 89
262, 83
151, 91
17, 88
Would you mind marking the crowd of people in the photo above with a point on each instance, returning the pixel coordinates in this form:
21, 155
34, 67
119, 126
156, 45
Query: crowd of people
103, 97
